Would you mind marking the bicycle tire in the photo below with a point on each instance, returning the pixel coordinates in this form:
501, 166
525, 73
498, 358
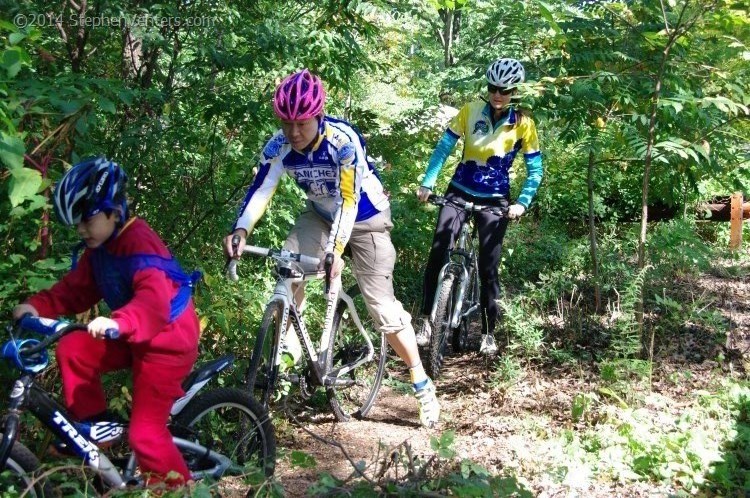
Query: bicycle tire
19, 474
354, 400
228, 421
439, 337
262, 373
460, 339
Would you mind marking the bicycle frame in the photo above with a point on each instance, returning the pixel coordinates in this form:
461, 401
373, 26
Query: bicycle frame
287, 276
27, 395
465, 249
54, 416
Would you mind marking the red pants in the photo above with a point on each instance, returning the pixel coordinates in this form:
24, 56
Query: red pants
82, 360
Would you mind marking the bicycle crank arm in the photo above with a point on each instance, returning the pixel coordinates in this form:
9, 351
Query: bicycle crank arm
220, 462
334, 378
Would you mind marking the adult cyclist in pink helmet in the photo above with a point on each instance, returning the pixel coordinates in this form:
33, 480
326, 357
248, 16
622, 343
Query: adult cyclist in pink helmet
346, 207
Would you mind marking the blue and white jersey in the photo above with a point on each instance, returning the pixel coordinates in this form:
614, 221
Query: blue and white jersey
342, 186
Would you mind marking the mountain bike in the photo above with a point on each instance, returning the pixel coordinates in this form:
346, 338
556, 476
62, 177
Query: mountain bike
220, 431
456, 303
350, 359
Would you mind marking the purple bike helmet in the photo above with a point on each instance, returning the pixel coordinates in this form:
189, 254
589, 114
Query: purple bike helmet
299, 96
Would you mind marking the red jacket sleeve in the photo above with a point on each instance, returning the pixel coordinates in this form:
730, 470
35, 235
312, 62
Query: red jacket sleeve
147, 313
76, 292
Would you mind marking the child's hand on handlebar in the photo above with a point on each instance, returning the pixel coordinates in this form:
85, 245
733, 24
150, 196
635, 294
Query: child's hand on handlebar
22, 309
98, 327
423, 193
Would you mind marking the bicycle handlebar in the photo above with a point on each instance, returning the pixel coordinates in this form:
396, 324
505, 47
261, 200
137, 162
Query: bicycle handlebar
280, 255
439, 200
54, 330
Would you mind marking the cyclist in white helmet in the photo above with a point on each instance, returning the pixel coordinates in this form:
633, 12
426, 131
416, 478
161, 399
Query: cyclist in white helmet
494, 132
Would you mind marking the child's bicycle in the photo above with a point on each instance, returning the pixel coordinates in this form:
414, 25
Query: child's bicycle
350, 360
456, 301
221, 431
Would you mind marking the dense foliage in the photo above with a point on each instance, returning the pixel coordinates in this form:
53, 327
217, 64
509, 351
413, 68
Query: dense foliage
179, 94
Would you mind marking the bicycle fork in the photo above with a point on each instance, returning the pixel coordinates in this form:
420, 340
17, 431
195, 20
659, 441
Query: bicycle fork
463, 281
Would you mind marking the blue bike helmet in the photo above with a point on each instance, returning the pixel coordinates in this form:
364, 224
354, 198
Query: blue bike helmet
89, 187
32, 364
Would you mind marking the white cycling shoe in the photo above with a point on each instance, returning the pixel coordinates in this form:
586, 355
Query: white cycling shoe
488, 346
429, 407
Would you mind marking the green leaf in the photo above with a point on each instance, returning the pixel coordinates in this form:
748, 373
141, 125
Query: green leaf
546, 12
14, 38
302, 460
107, 105
24, 183
12, 61
609, 392
11, 150
201, 490
37, 283
579, 407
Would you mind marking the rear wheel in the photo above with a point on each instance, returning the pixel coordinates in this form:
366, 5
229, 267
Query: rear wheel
355, 391
442, 327
230, 422
262, 373
18, 476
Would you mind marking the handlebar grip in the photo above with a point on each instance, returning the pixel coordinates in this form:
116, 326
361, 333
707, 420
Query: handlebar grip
44, 326
232, 270
231, 264
111, 334
258, 251
309, 260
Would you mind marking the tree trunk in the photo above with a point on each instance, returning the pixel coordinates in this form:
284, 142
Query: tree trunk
132, 55
447, 15
592, 232
680, 28
74, 34
646, 177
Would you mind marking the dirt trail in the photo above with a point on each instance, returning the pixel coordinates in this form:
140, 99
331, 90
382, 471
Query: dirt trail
501, 428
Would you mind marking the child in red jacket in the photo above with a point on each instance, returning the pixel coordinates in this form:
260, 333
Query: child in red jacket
126, 264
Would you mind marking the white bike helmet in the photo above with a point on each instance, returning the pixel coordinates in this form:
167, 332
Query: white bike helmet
505, 73
89, 187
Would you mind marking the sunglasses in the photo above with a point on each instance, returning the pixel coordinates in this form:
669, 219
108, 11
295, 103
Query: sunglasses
499, 89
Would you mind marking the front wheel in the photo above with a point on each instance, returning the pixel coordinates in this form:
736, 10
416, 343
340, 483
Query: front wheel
262, 373
18, 477
230, 422
354, 392
442, 327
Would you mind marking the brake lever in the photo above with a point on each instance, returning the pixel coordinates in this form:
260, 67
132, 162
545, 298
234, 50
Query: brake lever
235, 245
328, 265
